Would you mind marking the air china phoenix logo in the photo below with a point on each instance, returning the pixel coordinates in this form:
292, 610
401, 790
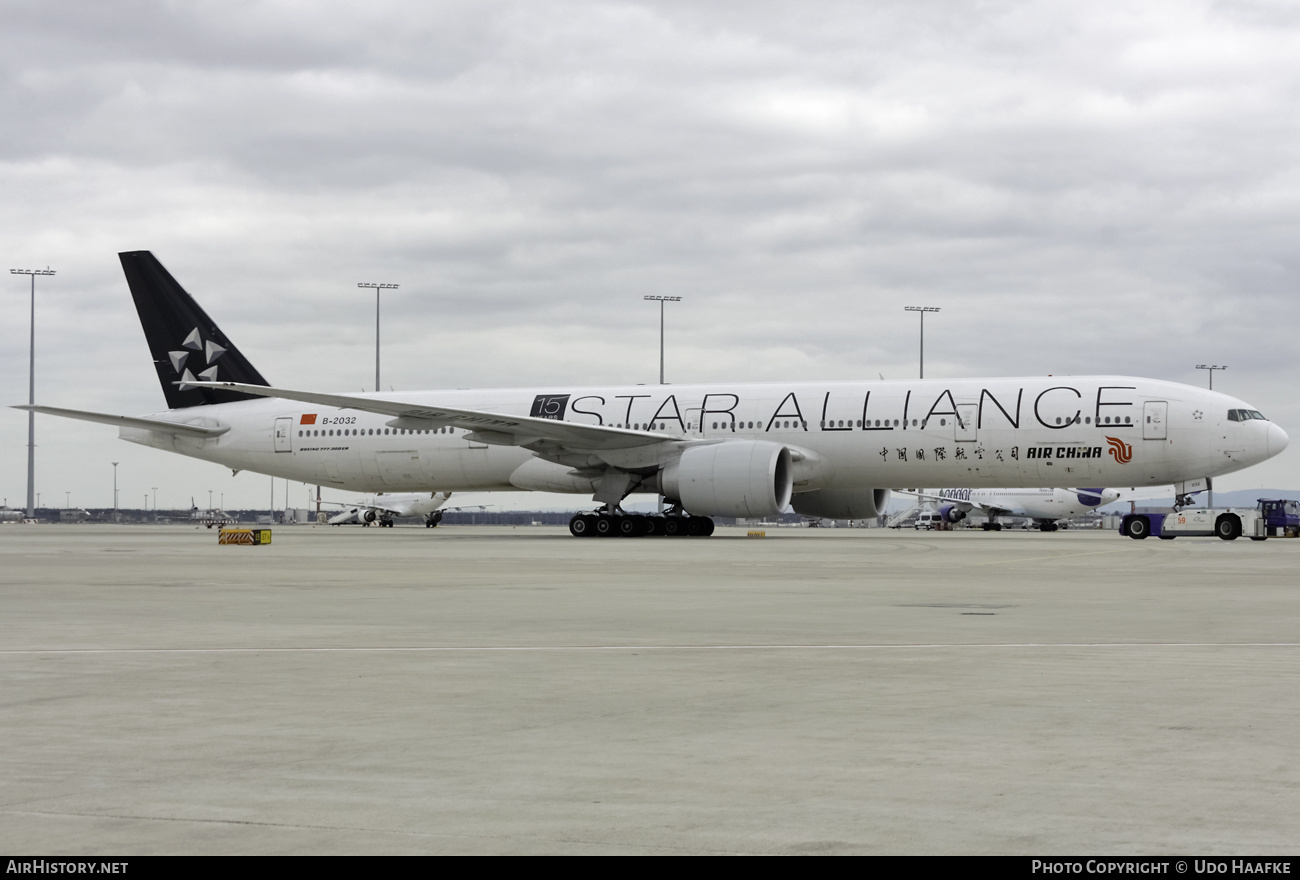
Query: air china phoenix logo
1122, 451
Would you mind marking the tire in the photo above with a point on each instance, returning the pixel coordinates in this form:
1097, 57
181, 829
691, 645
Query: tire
606, 527
1227, 527
627, 527
579, 527
1259, 537
1167, 537
654, 525
1137, 527
708, 527
674, 527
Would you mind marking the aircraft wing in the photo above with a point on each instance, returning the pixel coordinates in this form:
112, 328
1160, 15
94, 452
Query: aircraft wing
487, 427
128, 421
964, 505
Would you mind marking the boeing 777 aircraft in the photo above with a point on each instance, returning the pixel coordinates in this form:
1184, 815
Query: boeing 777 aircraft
1044, 506
827, 449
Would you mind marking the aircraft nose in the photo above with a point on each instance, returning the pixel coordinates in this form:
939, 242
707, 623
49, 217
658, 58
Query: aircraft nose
1277, 439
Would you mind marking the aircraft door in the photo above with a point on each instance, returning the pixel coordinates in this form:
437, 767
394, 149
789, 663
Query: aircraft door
400, 469
1154, 415
283, 430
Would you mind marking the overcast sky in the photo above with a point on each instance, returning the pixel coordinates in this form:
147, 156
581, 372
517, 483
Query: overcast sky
1082, 188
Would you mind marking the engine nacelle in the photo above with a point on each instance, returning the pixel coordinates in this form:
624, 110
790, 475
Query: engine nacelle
368, 516
732, 478
951, 513
842, 503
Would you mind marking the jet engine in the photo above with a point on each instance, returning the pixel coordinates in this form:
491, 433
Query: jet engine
951, 513
733, 478
368, 516
842, 503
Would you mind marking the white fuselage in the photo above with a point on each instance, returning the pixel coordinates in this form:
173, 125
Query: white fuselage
1039, 503
1048, 431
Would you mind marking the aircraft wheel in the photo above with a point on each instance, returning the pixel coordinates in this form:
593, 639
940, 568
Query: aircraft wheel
580, 526
1259, 537
695, 526
1227, 527
605, 526
1137, 527
997, 527
674, 527
707, 526
654, 525
628, 527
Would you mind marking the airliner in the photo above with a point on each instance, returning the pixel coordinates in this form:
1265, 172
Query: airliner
1043, 505
383, 507
826, 449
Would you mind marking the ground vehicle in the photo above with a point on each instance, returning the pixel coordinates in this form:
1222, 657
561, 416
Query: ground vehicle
1281, 517
1271, 518
929, 521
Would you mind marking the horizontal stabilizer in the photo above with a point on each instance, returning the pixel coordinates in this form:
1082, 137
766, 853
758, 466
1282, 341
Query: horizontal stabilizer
159, 425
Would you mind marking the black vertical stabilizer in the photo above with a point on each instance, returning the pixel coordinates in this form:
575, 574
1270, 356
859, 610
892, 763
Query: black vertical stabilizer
183, 341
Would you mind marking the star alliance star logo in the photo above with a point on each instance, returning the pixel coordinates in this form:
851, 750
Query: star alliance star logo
1196, 414
195, 343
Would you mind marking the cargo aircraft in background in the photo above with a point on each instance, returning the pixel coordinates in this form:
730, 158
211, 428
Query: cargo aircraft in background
1044, 506
827, 449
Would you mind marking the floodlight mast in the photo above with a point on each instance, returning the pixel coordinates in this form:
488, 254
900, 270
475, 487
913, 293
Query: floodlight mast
377, 287
922, 310
1211, 368
661, 300
31, 393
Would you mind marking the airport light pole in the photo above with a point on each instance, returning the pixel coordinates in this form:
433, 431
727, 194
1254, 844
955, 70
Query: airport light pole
115, 491
1211, 368
155, 498
922, 310
377, 287
661, 300
31, 392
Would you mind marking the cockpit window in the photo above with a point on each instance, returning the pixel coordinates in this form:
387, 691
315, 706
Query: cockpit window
1256, 414
1234, 415
1245, 415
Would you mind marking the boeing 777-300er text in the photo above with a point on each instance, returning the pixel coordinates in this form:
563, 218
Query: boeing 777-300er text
1044, 506
827, 449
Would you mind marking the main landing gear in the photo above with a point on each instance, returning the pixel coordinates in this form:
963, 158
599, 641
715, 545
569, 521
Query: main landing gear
636, 525
992, 526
